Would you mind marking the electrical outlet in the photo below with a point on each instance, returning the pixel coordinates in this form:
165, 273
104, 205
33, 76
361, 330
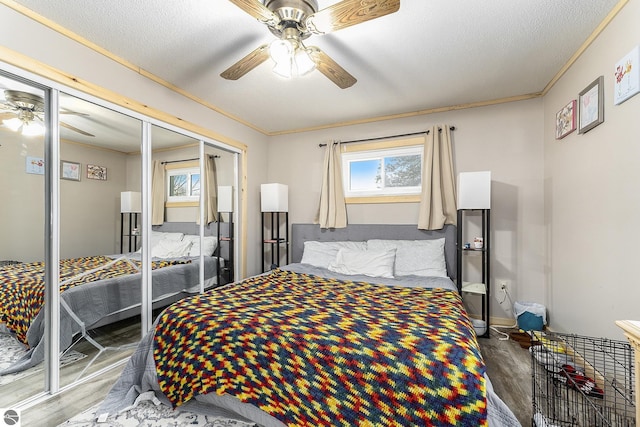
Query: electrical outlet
503, 285
503, 289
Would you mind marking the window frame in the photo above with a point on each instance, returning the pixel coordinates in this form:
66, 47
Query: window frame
386, 148
188, 169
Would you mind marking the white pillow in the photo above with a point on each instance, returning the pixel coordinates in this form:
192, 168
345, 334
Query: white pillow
415, 257
209, 244
321, 254
171, 249
158, 236
369, 262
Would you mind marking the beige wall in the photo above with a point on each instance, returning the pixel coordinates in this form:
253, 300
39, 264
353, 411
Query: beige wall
89, 214
90, 209
22, 199
592, 195
505, 139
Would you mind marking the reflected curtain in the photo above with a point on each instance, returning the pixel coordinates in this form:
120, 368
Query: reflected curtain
211, 190
332, 212
438, 198
157, 193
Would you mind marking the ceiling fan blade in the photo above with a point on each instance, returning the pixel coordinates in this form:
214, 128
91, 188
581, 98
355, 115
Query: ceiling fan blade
75, 129
246, 64
349, 12
331, 69
7, 115
257, 10
73, 113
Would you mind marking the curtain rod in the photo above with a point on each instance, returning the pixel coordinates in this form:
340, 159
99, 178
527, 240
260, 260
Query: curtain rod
185, 160
387, 137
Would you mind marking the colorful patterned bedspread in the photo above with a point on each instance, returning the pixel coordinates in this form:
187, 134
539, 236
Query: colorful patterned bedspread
321, 352
22, 285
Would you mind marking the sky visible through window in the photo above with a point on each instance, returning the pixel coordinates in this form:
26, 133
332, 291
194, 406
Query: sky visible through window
363, 174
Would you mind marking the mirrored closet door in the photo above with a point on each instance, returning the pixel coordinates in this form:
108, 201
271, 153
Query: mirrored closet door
175, 238
22, 241
100, 236
84, 182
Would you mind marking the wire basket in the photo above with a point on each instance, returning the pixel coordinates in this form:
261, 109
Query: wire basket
582, 381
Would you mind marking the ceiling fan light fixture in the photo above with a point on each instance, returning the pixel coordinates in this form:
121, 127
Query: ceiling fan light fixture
14, 124
291, 58
284, 68
303, 62
33, 129
281, 50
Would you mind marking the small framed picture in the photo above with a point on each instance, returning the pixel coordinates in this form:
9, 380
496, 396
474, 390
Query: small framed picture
70, 170
35, 165
627, 77
591, 105
97, 172
566, 120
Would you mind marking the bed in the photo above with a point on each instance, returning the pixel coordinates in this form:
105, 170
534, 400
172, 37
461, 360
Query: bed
99, 290
356, 331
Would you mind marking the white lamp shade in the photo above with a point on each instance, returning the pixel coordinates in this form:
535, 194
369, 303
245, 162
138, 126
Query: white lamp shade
225, 198
274, 198
130, 202
474, 190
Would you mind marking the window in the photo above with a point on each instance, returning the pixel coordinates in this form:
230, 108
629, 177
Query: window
183, 185
391, 171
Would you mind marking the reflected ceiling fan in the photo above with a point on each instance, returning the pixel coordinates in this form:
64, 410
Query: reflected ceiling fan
293, 21
24, 111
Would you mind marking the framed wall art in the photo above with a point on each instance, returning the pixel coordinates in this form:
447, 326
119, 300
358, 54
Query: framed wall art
566, 120
97, 172
70, 170
626, 81
591, 106
35, 165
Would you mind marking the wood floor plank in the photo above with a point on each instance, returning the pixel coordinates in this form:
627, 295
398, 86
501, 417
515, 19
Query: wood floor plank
509, 369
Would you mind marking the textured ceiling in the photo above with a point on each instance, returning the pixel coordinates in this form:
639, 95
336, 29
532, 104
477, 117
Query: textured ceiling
429, 54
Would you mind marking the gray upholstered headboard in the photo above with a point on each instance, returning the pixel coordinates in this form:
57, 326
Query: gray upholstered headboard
193, 228
301, 233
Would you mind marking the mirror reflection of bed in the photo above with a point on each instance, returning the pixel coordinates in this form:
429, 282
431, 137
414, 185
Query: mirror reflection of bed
101, 305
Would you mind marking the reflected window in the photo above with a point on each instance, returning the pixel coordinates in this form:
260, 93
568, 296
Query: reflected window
183, 185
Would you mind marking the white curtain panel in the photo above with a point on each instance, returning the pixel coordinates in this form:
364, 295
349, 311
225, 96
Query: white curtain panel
211, 190
438, 198
157, 194
332, 212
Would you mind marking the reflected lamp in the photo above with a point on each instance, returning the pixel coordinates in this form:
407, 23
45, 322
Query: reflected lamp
130, 202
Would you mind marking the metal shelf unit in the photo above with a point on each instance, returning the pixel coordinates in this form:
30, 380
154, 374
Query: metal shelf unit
276, 241
483, 287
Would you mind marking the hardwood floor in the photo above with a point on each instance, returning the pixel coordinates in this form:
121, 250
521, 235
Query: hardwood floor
509, 369
508, 366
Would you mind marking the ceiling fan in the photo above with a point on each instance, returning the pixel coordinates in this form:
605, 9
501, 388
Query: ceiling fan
24, 111
293, 21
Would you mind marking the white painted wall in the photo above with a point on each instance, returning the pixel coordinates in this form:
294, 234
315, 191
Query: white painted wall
592, 195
